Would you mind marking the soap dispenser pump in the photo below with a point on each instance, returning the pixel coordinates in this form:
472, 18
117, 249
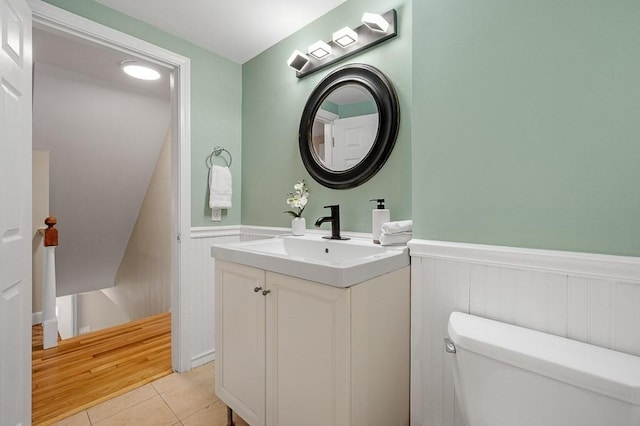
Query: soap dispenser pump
379, 215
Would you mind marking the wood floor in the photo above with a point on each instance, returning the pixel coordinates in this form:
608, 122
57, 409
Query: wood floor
94, 367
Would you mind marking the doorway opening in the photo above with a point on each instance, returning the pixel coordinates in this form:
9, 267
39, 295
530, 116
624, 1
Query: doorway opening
53, 20
105, 140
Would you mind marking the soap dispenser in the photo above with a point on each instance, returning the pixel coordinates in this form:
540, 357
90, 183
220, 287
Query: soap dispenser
379, 215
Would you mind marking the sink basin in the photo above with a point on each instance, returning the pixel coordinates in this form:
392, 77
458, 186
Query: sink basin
311, 257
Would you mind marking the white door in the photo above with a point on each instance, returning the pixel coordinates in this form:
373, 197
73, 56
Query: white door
15, 213
353, 138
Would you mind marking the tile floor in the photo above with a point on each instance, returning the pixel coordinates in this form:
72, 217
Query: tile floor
186, 399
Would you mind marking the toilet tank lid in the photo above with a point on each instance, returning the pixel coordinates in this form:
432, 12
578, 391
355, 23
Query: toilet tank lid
590, 367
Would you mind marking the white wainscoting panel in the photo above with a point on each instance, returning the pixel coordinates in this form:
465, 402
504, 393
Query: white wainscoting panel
430, 305
591, 298
605, 313
201, 283
526, 298
202, 294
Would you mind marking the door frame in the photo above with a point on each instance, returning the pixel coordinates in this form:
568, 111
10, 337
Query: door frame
53, 18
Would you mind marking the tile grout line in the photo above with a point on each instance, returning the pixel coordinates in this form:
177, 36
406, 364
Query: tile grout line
196, 383
128, 408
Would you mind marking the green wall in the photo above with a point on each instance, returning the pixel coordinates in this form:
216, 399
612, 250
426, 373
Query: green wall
216, 94
272, 103
357, 109
350, 110
520, 121
526, 123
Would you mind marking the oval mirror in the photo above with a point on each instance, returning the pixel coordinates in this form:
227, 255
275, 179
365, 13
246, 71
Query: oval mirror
349, 126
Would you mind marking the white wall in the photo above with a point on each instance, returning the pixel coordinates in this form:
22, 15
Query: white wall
104, 143
591, 298
66, 311
40, 210
95, 311
143, 282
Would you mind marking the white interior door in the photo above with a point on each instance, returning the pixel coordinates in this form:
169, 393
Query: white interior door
353, 138
328, 145
15, 213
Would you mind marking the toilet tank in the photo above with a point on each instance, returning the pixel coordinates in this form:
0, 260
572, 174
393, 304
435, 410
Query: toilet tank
507, 375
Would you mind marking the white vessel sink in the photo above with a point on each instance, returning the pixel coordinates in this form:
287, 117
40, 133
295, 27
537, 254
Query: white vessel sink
311, 257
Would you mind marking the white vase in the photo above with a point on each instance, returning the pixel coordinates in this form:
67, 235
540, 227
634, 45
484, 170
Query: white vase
298, 225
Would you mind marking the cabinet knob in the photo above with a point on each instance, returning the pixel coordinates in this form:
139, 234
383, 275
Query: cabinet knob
257, 289
265, 292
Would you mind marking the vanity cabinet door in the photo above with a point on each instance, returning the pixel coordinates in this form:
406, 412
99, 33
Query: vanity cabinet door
240, 340
307, 350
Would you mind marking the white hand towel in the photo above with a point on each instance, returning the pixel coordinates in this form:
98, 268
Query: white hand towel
220, 187
397, 227
395, 239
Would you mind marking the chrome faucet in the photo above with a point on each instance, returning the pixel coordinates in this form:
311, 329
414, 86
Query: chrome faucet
335, 222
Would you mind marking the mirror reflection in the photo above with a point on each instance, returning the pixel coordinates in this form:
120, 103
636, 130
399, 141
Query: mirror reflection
345, 127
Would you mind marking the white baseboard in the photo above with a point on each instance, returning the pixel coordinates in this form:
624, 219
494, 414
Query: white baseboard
36, 318
203, 358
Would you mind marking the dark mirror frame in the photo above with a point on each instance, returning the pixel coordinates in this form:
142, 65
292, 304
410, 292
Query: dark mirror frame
386, 99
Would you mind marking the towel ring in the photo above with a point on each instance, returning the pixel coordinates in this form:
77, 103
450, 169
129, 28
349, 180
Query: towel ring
216, 153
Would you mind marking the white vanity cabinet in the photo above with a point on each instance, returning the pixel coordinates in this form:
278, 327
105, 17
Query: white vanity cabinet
293, 352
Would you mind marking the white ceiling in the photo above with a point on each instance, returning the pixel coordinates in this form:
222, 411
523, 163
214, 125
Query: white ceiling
235, 29
350, 94
91, 59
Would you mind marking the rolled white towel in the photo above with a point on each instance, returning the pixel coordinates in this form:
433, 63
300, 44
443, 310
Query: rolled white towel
397, 238
397, 227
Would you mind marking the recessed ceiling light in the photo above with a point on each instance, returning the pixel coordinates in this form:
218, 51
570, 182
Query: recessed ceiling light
139, 71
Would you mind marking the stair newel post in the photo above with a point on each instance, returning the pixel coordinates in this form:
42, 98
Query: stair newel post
49, 319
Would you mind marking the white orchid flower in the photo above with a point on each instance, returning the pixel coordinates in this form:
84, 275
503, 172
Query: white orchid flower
298, 199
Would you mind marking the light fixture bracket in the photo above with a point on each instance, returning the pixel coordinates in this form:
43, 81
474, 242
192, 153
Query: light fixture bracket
366, 40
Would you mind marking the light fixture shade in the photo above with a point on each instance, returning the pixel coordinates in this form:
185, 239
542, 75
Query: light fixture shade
319, 49
375, 22
297, 60
141, 72
345, 37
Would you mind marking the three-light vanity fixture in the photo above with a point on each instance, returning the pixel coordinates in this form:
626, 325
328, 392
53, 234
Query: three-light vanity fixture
345, 42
